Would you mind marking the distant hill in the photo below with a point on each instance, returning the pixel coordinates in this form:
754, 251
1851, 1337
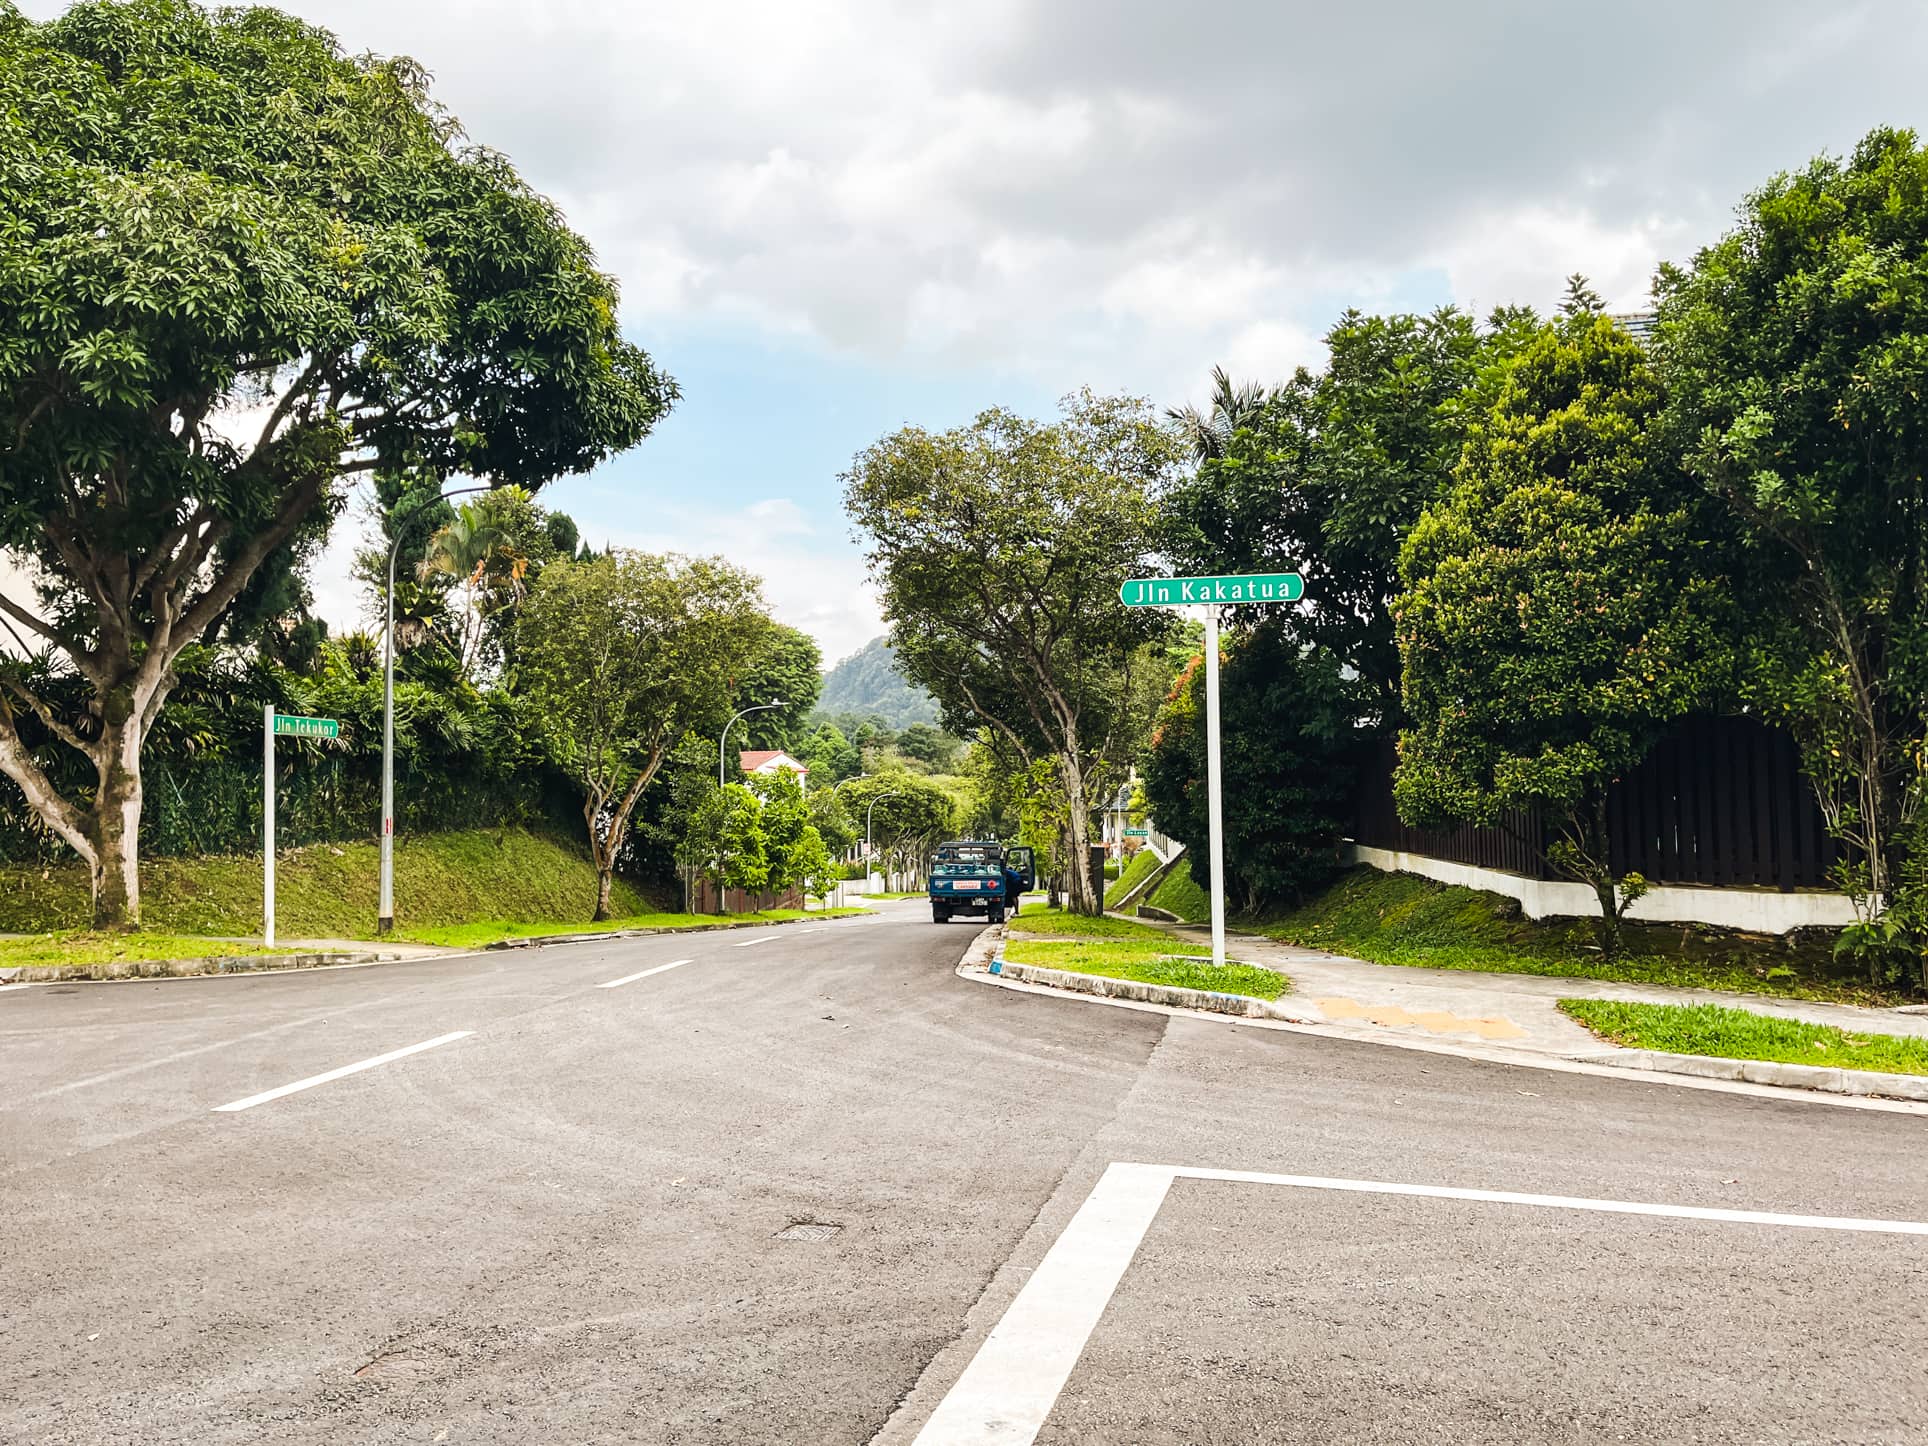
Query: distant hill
868, 682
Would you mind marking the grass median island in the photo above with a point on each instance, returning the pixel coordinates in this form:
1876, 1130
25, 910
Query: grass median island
1713, 1029
35, 951
1120, 949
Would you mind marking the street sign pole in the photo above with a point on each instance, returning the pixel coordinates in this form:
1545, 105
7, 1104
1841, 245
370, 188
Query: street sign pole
267, 825
1213, 593
1214, 786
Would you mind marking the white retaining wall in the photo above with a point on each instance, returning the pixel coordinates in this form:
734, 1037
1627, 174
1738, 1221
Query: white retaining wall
1759, 911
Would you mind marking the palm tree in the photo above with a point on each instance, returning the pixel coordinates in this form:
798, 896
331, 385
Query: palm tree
1232, 407
487, 567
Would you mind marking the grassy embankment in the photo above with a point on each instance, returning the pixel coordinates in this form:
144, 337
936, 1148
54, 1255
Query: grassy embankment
1710, 1029
1400, 919
1141, 865
464, 888
1119, 949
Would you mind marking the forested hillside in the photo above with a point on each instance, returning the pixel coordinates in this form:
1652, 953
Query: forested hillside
867, 682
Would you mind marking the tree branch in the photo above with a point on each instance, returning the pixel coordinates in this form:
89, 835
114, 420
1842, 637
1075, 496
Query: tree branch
58, 814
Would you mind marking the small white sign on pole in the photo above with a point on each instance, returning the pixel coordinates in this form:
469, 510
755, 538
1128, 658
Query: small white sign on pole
267, 825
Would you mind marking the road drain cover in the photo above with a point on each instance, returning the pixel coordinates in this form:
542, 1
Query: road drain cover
809, 1230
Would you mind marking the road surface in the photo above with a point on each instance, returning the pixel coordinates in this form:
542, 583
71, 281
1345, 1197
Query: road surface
780, 1186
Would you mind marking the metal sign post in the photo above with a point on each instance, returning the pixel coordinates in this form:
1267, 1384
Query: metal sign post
267, 825
1155, 592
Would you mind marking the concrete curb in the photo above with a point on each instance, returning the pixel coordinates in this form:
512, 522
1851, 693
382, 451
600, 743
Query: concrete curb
1766, 1072
180, 968
537, 941
1171, 995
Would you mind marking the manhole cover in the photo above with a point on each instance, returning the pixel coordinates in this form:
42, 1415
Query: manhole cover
809, 1230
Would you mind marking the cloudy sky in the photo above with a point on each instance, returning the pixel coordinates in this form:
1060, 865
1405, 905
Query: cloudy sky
833, 219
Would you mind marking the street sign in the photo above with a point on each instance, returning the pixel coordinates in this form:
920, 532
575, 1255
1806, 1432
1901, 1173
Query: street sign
289, 725
1174, 592
1137, 833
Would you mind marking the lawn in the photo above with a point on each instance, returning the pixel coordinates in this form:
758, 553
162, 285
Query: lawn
1399, 919
79, 947
488, 931
1039, 918
1180, 895
1141, 866
1711, 1029
1145, 962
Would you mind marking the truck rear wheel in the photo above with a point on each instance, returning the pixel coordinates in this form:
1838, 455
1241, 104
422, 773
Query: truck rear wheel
997, 913
940, 914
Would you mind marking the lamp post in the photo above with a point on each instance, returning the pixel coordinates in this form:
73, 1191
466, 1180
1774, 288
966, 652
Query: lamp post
722, 742
871, 813
385, 910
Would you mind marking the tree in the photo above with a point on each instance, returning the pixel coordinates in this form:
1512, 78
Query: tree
625, 656
726, 839
798, 856
906, 816
1563, 607
240, 268
1796, 354
1289, 745
1000, 548
786, 669
932, 747
1233, 406
830, 757
1334, 470
479, 558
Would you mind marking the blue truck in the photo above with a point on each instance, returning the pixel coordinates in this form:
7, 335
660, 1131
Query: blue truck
979, 876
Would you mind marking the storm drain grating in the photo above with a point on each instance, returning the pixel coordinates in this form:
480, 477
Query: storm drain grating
809, 1230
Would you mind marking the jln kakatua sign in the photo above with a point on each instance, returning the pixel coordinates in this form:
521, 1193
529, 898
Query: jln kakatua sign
1212, 593
1178, 592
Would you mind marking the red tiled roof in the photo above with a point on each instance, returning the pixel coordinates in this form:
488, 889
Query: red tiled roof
751, 759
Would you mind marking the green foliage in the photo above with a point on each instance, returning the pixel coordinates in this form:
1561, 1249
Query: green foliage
207, 211
1000, 548
626, 656
798, 856
726, 839
1710, 1029
1182, 896
907, 815
830, 757
785, 668
1040, 919
1149, 964
1796, 354
1288, 739
1563, 606
73, 947
1331, 471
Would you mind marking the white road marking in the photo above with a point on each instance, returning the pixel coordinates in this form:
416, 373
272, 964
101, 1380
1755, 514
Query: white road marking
644, 974
760, 939
334, 1074
177, 1057
1013, 1381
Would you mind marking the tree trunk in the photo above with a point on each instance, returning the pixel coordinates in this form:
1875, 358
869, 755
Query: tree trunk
1082, 897
115, 826
605, 879
1600, 863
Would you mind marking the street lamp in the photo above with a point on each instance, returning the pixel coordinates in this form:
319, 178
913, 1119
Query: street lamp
385, 910
869, 814
723, 741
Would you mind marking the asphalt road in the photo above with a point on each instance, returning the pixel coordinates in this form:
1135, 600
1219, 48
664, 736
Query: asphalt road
567, 1223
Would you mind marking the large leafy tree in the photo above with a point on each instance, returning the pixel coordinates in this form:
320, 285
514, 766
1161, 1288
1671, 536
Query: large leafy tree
237, 268
1564, 606
1796, 353
625, 656
1329, 473
788, 670
1000, 548
1289, 748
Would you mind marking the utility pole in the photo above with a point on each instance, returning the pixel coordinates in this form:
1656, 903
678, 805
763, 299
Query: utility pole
722, 742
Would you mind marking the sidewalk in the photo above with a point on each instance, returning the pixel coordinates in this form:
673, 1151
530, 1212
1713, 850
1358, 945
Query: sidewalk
1518, 1010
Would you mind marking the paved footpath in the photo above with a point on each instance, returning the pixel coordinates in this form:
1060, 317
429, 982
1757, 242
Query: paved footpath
808, 1185
1519, 1011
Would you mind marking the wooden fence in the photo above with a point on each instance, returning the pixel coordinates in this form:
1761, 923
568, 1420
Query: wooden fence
1719, 801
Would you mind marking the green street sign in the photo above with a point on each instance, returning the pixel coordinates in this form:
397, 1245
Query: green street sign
289, 725
1137, 833
1172, 592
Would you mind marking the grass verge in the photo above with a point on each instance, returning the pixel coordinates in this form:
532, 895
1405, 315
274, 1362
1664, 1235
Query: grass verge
477, 934
1143, 962
1040, 918
1178, 893
1141, 865
1401, 919
1712, 1029
78, 947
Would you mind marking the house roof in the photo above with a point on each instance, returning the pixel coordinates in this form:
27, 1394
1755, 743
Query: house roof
752, 759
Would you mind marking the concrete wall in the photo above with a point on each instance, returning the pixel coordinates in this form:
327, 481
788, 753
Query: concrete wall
1759, 911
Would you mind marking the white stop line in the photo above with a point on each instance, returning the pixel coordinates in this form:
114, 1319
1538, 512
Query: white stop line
1014, 1379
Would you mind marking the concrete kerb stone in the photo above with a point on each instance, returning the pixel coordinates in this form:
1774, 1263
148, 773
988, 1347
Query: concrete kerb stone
1867, 1082
180, 968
